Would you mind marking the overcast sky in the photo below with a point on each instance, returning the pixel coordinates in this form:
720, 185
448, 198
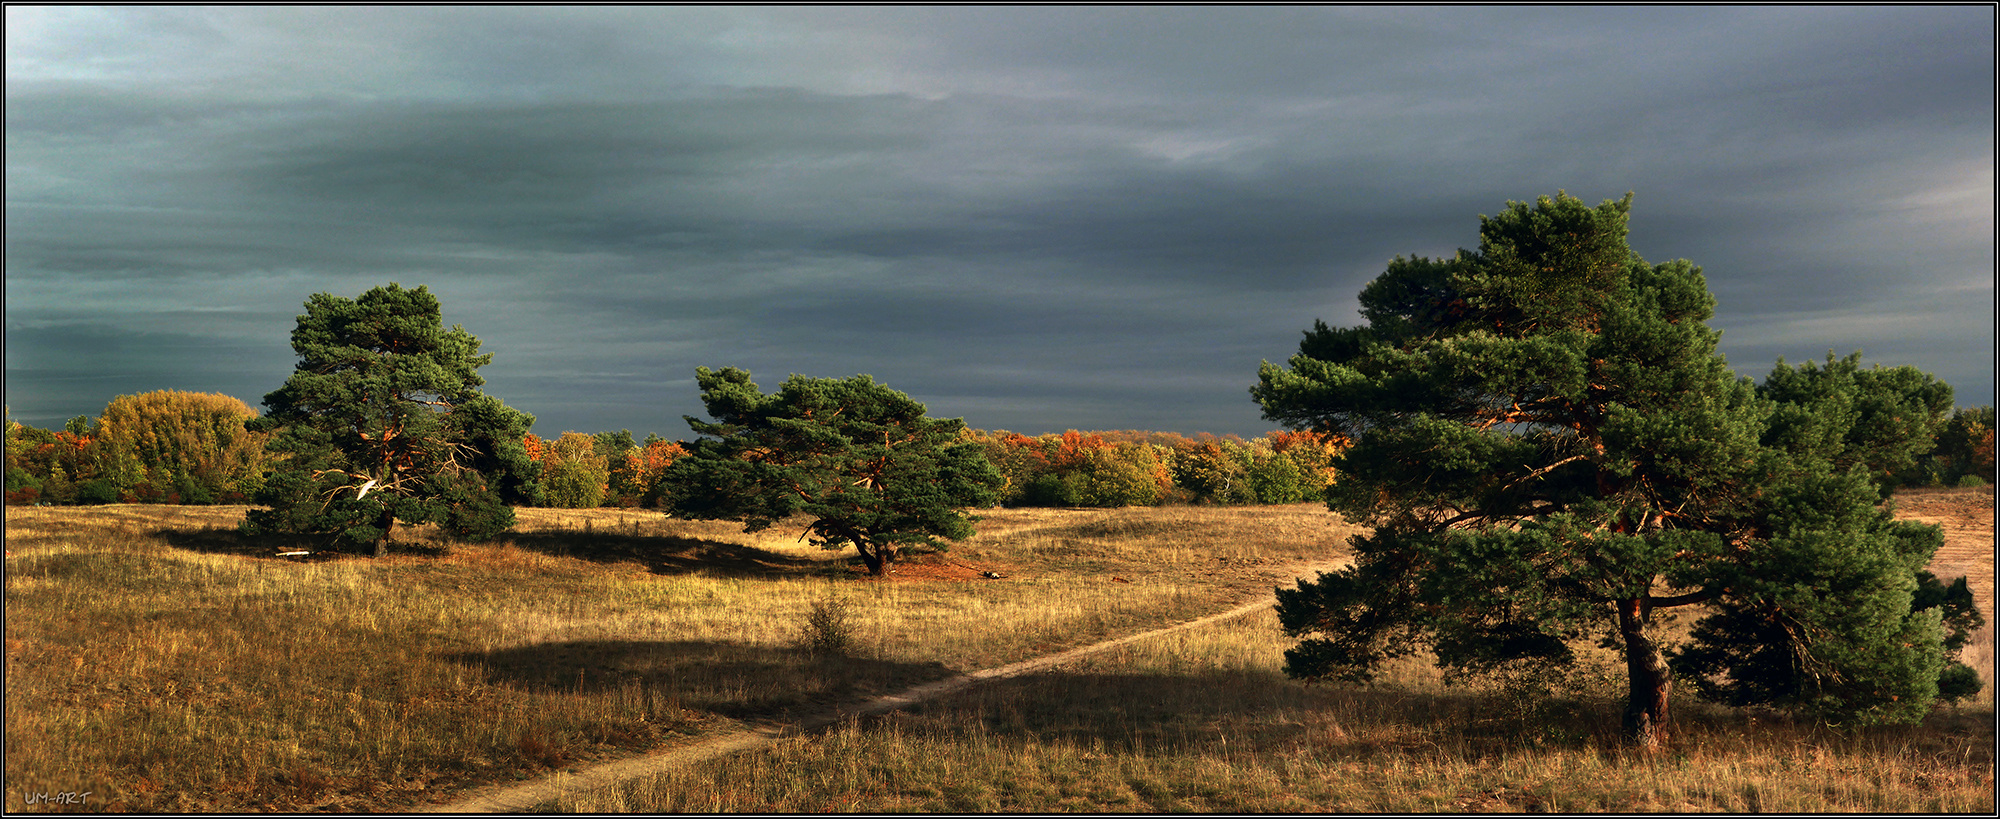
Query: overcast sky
1034, 218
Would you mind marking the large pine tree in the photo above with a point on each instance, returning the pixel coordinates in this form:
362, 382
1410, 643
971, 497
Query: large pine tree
1551, 450
382, 421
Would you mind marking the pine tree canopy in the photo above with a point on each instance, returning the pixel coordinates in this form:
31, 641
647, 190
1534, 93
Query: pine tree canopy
382, 420
859, 458
1550, 450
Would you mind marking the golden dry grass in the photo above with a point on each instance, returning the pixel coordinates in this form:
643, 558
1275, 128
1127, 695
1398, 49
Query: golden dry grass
162, 662
1206, 722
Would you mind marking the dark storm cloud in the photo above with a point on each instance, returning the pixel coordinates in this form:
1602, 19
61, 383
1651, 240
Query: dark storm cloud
1032, 218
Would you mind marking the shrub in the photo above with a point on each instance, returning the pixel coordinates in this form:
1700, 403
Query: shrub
97, 491
1050, 489
829, 628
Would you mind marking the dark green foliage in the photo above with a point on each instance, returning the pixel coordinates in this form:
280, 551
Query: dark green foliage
1550, 450
859, 458
1051, 489
1833, 613
383, 393
97, 491
1880, 418
613, 445
1955, 606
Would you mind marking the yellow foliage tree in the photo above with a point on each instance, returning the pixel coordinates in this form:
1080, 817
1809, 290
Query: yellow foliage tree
574, 476
187, 444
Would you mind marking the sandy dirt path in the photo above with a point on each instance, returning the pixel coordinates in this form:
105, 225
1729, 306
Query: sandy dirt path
526, 796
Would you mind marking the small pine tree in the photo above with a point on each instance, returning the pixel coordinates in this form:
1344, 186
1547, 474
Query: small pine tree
859, 458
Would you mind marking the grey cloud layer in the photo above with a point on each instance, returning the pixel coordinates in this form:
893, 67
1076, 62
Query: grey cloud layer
1034, 218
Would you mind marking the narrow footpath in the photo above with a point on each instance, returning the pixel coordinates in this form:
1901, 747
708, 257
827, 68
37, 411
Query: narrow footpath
526, 796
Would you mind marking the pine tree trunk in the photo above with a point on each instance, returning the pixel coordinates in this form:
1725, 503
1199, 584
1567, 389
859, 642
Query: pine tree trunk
1651, 681
388, 523
877, 562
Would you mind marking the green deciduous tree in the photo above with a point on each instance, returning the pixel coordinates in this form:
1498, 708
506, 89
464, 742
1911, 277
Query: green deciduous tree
1215, 471
859, 458
382, 421
1550, 450
574, 475
1275, 478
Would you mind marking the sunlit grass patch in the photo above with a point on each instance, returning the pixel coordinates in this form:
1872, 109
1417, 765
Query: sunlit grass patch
164, 662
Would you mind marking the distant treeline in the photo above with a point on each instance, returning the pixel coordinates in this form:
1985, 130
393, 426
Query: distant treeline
191, 448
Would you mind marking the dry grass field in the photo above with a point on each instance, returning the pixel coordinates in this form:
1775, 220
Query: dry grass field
161, 662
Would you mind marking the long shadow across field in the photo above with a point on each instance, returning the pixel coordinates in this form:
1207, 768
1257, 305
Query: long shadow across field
219, 540
669, 554
739, 680
1219, 711
663, 555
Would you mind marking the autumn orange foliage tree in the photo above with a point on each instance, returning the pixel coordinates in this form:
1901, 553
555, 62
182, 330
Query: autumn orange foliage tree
639, 474
1137, 468
577, 473
46, 466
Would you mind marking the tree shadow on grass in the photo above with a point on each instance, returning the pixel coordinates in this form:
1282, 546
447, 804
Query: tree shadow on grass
1225, 712
217, 540
1221, 713
670, 555
738, 680
667, 555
